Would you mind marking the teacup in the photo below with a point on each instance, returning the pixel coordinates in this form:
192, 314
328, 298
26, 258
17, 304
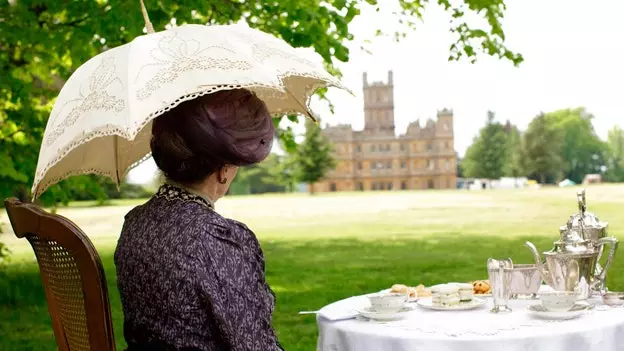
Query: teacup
559, 301
388, 303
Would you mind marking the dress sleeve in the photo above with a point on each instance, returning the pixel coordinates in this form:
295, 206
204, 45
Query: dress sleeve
232, 286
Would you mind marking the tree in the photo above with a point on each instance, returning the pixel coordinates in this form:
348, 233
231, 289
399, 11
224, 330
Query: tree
542, 147
282, 171
43, 42
313, 157
460, 168
582, 150
275, 174
487, 156
514, 160
615, 155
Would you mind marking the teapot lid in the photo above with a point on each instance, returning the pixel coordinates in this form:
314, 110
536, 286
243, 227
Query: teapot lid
584, 219
571, 241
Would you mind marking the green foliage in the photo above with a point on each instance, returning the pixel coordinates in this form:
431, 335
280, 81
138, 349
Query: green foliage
542, 149
514, 164
557, 144
4, 252
581, 149
275, 174
43, 42
313, 157
615, 155
488, 154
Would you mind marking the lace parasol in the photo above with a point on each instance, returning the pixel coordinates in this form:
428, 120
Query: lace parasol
101, 120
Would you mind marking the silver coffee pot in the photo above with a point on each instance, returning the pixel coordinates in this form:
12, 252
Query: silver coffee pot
572, 265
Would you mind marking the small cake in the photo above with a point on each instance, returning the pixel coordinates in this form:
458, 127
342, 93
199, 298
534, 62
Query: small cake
466, 292
445, 295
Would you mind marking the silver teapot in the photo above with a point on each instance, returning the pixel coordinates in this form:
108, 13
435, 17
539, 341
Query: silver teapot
572, 265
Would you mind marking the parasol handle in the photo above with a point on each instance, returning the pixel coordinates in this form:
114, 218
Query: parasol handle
148, 25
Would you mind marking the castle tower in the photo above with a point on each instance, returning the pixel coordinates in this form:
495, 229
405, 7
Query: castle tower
379, 105
445, 122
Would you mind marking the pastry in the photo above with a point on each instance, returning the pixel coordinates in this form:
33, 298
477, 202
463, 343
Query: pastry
422, 291
412, 292
481, 287
399, 288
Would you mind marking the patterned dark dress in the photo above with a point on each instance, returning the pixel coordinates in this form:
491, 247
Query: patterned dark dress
190, 279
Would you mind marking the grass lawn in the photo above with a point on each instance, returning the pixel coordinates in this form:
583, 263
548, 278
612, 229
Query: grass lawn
327, 247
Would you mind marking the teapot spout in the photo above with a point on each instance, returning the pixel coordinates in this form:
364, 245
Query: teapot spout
538, 262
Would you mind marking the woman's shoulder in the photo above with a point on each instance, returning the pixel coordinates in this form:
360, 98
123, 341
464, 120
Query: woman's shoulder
228, 229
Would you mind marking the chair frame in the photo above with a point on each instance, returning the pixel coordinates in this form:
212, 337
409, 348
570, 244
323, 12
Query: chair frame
30, 220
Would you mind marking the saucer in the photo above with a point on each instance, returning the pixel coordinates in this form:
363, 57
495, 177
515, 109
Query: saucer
474, 303
369, 313
577, 310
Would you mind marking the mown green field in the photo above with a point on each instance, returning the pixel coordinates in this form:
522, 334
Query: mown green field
323, 248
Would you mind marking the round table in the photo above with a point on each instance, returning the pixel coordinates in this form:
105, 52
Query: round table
600, 329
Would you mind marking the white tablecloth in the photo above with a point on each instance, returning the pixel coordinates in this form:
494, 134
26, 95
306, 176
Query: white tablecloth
601, 329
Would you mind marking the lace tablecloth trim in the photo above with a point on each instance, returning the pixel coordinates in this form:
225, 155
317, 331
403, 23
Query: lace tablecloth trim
493, 327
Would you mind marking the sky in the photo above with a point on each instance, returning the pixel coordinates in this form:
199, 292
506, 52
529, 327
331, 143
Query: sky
573, 56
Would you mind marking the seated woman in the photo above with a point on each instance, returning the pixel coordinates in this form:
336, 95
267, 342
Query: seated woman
189, 278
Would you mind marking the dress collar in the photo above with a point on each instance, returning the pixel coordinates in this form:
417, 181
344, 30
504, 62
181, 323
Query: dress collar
174, 191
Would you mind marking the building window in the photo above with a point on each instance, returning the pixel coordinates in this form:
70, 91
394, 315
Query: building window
403, 185
374, 186
332, 187
402, 146
429, 147
360, 186
430, 184
359, 165
373, 148
446, 146
388, 147
389, 186
378, 165
447, 165
430, 165
444, 126
402, 164
358, 148
389, 165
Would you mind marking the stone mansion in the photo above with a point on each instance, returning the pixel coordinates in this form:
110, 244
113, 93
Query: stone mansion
376, 159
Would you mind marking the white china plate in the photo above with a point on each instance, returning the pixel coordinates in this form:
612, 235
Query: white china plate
409, 299
369, 313
427, 303
483, 295
540, 311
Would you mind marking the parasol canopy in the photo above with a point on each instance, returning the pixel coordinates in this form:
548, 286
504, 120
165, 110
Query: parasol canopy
101, 119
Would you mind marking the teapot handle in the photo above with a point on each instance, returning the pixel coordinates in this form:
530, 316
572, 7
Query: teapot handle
613, 243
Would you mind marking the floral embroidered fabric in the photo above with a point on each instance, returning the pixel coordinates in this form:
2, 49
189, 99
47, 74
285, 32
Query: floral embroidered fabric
190, 279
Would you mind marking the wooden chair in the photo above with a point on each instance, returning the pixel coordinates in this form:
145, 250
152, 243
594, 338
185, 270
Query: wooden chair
72, 275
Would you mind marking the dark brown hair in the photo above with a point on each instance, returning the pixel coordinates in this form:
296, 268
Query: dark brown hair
200, 136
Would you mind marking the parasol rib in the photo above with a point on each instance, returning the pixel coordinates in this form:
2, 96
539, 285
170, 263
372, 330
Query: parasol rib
148, 24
